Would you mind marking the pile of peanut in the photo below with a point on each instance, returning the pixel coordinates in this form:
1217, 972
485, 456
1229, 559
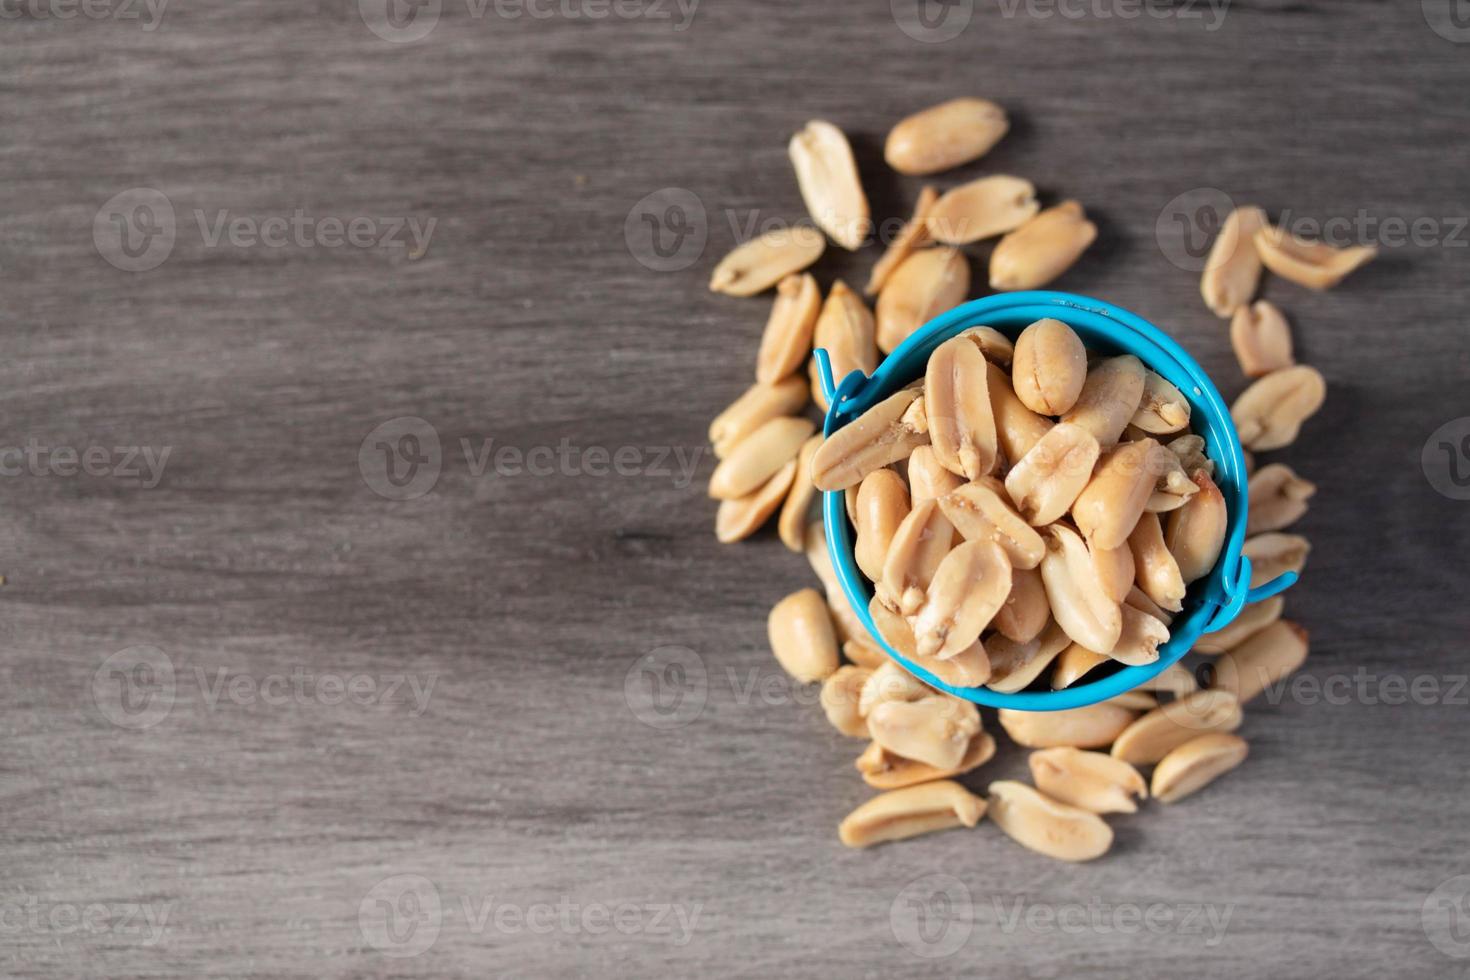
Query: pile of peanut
1029, 513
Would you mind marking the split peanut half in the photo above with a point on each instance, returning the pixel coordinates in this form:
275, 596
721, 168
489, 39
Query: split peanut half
1109, 507
801, 636
761, 262
1049, 367
1261, 338
1027, 610
981, 511
928, 479
1262, 661
1275, 553
913, 235
957, 405
926, 284
846, 331
758, 457
1163, 409
1195, 764
935, 730
1278, 498
996, 346
1315, 265
741, 517
1252, 619
881, 769
796, 510
869, 442
1014, 666
921, 542
1156, 571
1079, 603
1109, 399
945, 136
968, 587
882, 504
1090, 727
1038, 822
758, 405
1091, 781
903, 813
1195, 533
787, 339
1045, 482
1041, 249
1270, 413
1164, 729
1233, 269
982, 208
827, 175
1017, 428
889, 682
840, 693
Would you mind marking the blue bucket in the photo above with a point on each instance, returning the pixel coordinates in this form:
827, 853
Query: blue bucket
1211, 603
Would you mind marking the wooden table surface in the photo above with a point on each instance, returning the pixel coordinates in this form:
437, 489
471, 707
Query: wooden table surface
273, 708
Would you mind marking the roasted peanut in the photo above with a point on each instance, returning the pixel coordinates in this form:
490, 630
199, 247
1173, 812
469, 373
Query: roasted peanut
1041, 249
846, 331
1195, 764
890, 682
1156, 571
1045, 482
761, 262
1315, 265
1195, 533
882, 504
996, 346
1233, 268
1108, 508
922, 540
1014, 666
928, 479
1169, 726
828, 178
957, 404
882, 769
1109, 399
869, 442
982, 208
1115, 571
927, 283
1261, 338
844, 620
1139, 600
1079, 603
741, 517
1038, 822
936, 729
1252, 619
903, 813
787, 339
758, 457
1091, 727
1091, 781
1140, 639
981, 511
1278, 498
840, 692
1026, 611
945, 136
1173, 679
1073, 664
801, 636
1269, 414
1265, 659
911, 236
1275, 553
864, 654
1017, 428
1049, 368
1163, 409
968, 587
758, 405
798, 506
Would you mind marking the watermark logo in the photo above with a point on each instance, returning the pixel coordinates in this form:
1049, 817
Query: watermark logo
1450, 19
1186, 227
1445, 459
1445, 917
400, 21
135, 688
667, 687
148, 12
666, 231
401, 459
135, 230
932, 21
401, 916
933, 915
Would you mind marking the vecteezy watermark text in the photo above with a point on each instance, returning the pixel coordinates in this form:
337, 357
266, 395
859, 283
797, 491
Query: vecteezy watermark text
33, 916
137, 229
403, 915
149, 13
143, 464
406, 21
402, 459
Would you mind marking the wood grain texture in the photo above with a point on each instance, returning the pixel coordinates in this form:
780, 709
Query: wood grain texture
264, 822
